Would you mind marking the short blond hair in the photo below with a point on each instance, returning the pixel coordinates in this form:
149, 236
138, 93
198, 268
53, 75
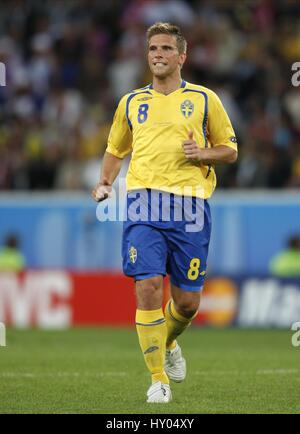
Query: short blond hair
168, 29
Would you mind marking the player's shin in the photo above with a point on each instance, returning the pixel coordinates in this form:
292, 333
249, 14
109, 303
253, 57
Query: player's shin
152, 333
176, 324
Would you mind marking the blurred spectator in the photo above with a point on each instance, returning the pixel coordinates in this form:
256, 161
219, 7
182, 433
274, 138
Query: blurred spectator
68, 63
287, 263
11, 258
177, 11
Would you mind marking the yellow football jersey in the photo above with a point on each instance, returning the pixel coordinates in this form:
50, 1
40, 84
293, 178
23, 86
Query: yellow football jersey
152, 126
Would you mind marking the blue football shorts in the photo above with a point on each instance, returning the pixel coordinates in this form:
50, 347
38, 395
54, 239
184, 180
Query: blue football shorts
164, 234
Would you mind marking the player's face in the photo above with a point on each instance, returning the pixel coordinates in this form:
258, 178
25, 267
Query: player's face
163, 55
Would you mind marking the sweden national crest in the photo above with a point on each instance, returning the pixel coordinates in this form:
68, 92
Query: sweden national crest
187, 108
132, 255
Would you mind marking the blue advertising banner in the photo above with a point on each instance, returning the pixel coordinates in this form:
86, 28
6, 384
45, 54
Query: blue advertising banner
250, 301
62, 230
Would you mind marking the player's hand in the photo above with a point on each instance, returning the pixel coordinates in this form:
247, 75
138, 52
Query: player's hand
191, 149
101, 192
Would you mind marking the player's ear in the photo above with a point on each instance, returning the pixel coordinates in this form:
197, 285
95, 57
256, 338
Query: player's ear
182, 59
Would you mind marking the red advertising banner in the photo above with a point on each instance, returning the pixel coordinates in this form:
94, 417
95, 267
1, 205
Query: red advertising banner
59, 299
62, 299
102, 299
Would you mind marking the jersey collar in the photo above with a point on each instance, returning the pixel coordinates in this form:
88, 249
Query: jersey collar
183, 84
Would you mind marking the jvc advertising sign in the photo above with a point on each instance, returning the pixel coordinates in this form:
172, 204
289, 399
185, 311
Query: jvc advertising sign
62, 299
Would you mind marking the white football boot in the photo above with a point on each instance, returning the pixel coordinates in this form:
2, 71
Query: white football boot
159, 393
175, 365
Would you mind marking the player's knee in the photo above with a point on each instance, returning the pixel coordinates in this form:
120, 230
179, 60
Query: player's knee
149, 285
149, 293
187, 308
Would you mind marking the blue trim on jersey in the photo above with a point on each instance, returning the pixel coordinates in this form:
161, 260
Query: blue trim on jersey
127, 105
204, 123
183, 84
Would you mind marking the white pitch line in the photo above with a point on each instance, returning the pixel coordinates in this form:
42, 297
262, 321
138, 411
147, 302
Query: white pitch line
277, 371
258, 372
61, 374
54, 411
213, 373
281, 371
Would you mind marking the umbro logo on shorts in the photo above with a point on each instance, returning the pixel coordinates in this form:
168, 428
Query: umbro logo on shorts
150, 350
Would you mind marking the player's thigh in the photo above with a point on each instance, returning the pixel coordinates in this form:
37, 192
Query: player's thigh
144, 251
188, 255
187, 263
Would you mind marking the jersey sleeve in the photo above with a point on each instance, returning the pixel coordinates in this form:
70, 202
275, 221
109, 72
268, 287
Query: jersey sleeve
119, 141
220, 131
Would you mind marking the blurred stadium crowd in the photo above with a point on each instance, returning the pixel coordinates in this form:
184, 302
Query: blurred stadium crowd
68, 62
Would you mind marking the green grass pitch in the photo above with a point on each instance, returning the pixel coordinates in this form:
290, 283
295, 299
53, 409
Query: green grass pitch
101, 370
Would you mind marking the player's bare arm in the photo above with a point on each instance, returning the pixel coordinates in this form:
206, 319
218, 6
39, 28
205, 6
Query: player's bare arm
110, 170
215, 155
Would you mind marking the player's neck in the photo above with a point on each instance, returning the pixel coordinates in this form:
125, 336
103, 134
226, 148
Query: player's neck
166, 85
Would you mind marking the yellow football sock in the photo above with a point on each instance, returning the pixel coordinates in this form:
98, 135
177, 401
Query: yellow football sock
152, 333
176, 324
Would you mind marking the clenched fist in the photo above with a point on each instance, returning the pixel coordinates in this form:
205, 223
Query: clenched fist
101, 192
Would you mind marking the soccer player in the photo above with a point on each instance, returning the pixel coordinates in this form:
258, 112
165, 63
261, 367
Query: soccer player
176, 132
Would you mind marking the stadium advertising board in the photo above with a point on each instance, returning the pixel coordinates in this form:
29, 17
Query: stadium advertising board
60, 299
